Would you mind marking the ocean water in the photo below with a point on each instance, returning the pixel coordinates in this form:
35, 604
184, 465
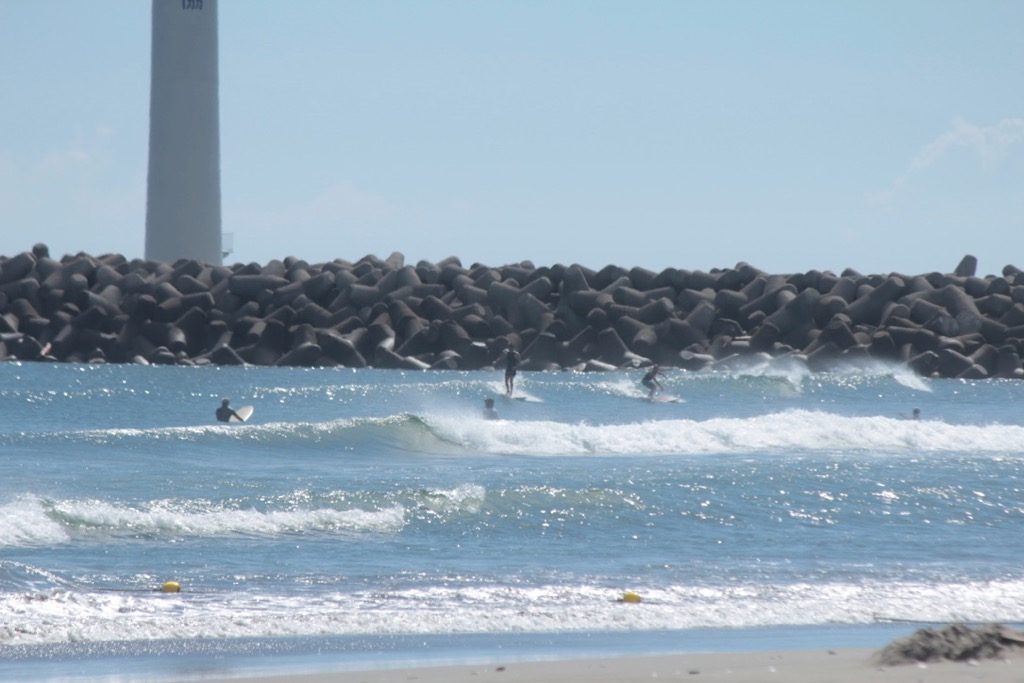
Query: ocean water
368, 518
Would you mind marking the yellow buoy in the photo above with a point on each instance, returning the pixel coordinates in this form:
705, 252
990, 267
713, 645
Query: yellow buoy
170, 587
630, 596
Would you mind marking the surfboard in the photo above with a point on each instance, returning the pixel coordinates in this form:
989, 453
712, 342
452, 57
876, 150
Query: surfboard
244, 412
661, 398
514, 398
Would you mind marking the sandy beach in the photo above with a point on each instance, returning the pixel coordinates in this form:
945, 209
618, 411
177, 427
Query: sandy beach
797, 666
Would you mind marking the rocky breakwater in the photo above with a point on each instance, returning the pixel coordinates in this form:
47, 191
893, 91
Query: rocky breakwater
385, 313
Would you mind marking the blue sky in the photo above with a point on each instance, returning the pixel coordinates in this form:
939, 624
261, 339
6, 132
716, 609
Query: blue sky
876, 135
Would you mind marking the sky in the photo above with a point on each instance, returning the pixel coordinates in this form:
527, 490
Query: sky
794, 135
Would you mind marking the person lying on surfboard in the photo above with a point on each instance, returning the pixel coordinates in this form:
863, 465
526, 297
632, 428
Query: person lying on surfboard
650, 381
225, 412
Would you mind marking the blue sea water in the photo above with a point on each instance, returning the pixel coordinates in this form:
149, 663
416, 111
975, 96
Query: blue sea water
367, 518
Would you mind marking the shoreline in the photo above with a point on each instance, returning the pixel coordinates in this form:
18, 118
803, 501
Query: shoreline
801, 654
851, 665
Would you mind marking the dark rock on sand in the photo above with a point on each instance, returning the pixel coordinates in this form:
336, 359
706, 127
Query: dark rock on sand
956, 642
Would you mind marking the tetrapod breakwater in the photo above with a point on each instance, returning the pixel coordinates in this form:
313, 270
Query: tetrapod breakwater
386, 313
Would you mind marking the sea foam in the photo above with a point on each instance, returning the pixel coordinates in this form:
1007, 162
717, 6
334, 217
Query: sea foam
788, 431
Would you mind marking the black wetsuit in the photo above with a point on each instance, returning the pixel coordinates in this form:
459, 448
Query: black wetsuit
224, 414
511, 361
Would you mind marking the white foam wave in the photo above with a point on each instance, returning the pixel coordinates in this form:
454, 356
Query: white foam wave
912, 381
30, 520
24, 521
789, 431
468, 497
265, 432
73, 616
792, 377
213, 519
620, 385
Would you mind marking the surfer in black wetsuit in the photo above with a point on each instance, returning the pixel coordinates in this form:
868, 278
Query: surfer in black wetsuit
511, 363
225, 412
650, 381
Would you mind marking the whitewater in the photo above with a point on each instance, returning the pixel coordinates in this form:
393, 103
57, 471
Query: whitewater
375, 516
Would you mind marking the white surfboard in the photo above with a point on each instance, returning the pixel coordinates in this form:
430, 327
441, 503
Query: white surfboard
662, 398
244, 412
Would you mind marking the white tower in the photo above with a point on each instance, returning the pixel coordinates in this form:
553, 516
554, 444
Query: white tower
183, 195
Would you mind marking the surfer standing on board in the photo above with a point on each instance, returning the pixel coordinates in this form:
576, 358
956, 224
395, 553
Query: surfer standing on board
511, 363
650, 381
225, 412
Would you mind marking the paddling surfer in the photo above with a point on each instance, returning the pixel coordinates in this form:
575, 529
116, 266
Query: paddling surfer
489, 412
225, 412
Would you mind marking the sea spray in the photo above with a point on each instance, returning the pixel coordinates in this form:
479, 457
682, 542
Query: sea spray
369, 505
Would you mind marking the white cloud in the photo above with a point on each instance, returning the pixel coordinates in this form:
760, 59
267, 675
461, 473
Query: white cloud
990, 142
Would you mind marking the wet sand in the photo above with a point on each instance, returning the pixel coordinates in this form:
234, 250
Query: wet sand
777, 666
